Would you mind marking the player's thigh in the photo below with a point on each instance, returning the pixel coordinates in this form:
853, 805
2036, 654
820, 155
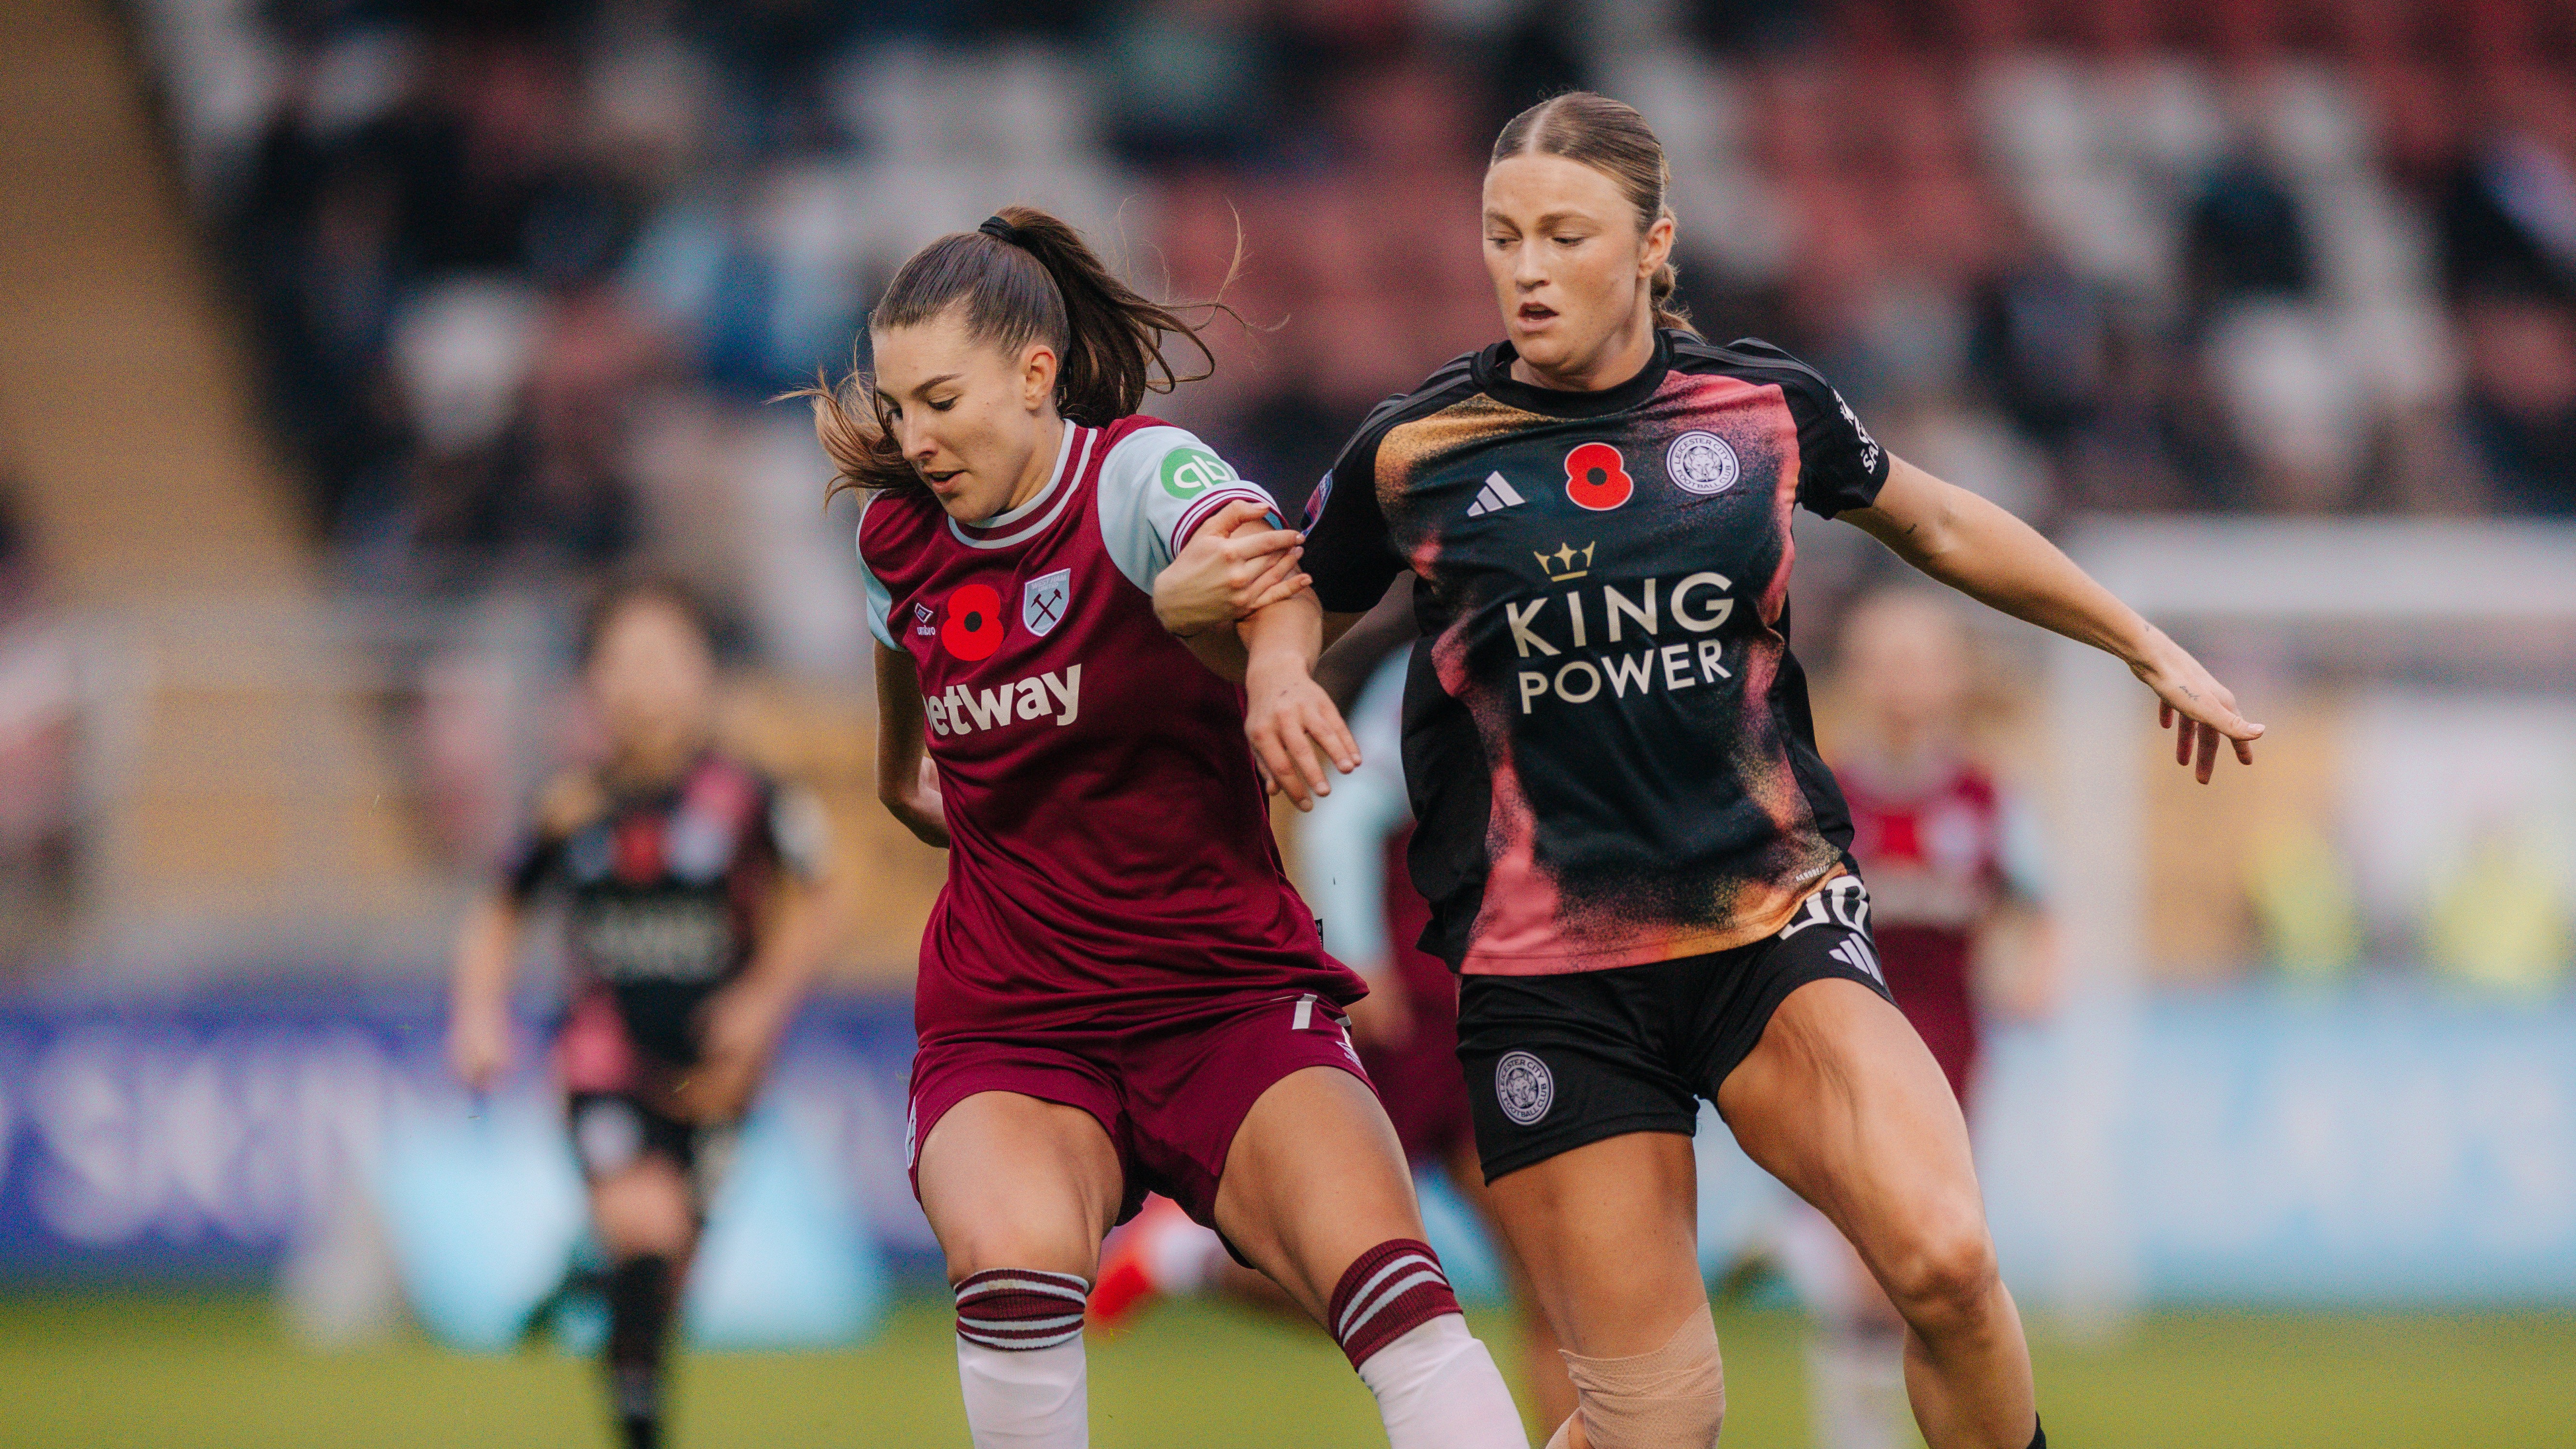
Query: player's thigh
633, 1162
1314, 1178
1011, 1181
1843, 1103
1608, 1235
644, 1207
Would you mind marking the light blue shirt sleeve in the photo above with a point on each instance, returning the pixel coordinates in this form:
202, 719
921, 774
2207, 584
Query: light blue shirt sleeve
1156, 487
880, 602
1343, 839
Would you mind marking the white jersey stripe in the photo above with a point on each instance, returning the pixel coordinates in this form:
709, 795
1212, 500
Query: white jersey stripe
1206, 508
1061, 485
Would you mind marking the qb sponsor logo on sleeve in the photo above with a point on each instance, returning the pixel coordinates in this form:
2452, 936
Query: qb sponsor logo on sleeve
1189, 472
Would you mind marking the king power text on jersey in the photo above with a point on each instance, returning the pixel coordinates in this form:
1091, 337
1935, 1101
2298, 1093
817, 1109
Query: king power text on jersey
1699, 604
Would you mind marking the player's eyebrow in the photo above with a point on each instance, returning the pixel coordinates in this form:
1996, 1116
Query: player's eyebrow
1548, 220
926, 384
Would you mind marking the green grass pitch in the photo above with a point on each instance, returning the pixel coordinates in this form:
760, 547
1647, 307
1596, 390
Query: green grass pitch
170, 1372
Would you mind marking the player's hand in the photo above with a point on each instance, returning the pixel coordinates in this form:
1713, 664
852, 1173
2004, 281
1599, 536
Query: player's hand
1230, 568
2199, 708
1382, 1019
742, 1027
1294, 729
478, 1044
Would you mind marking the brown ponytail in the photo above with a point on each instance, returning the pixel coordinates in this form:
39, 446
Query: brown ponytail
1024, 277
1612, 138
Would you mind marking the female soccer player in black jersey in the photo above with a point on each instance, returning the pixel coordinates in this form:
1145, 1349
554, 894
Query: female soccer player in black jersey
693, 903
1632, 851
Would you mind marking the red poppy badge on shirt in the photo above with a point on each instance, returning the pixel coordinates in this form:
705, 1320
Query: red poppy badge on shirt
1596, 477
973, 628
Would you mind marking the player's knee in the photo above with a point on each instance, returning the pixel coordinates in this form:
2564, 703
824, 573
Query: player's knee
1672, 1398
986, 1247
644, 1212
1945, 1275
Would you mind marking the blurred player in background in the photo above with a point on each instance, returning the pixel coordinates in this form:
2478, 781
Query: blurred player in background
696, 917
1119, 990
1406, 1028
1953, 885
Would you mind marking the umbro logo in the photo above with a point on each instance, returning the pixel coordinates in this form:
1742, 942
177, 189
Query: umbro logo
1494, 497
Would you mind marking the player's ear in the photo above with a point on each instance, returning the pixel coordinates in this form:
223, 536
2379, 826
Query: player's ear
1658, 247
1037, 375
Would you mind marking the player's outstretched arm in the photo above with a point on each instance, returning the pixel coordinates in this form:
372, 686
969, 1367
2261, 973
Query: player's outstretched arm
1986, 553
1287, 715
906, 784
478, 1000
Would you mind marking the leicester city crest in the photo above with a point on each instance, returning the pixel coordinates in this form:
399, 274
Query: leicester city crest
1044, 601
1523, 1087
1701, 462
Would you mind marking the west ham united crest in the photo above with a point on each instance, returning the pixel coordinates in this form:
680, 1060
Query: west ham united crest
1044, 601
1524, 1087
1701, 462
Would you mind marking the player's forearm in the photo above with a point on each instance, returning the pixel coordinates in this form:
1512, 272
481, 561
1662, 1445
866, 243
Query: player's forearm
901, 747
1985, 552
1221, 650
808, 923
486, 952
1283, 636
793, 950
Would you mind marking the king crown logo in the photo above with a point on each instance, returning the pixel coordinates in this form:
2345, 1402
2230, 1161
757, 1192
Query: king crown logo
1560, 565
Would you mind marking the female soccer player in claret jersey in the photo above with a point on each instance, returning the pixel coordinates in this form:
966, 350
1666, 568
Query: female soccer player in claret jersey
696, 913
1119, 990
1631, 849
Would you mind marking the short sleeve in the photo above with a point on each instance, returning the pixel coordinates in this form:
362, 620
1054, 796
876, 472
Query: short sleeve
1840, 466
1158, 485
880, 601
800, 831
1349, 554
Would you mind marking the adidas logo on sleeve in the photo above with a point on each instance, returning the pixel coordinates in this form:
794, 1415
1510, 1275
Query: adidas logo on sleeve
1494, 497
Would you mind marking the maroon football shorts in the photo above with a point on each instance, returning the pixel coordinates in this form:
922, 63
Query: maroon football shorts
1170, 1095
1419, 1081
1927, 971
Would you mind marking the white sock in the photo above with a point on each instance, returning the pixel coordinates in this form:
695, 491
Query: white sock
1025, 1398
1437, 1388
1856, 1389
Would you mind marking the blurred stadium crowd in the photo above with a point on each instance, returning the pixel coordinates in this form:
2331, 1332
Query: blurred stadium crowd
524, 277
525, 273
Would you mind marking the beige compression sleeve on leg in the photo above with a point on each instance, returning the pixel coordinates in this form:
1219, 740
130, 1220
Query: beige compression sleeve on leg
1672, 1398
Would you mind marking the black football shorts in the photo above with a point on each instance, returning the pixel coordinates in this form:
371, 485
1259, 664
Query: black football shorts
1556, 1062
